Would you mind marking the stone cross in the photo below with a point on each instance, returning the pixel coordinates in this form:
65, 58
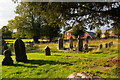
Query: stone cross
60, 43
20, 52
80, 44
100, 46
71, 42
7, 60
47, 51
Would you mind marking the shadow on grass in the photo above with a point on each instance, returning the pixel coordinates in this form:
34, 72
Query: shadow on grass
42, 62
20, 65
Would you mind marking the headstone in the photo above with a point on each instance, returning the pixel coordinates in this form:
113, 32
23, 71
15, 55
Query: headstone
106, 45
47, 51
7, 60
20, 52
109, 44
4, 46
60, 43
86, 47
100, 46
71, 42
80, 44
86, 40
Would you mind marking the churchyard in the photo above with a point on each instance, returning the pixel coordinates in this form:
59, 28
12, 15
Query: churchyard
56, 60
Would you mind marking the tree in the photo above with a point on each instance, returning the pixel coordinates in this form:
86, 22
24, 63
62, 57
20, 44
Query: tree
51, 31
78, 30
98, 33
32, 21
116, 29
90, 14
106, 34
6, 33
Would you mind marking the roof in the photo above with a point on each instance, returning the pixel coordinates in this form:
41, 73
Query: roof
111, 28
70, 30
90, 33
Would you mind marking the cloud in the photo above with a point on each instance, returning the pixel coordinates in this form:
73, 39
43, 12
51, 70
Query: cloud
7, 8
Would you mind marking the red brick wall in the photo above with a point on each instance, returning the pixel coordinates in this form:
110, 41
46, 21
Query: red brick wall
67, 35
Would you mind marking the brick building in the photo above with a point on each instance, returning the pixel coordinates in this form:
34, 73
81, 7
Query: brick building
87, 34
110, 31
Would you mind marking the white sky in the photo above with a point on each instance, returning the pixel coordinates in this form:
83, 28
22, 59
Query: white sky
7, 8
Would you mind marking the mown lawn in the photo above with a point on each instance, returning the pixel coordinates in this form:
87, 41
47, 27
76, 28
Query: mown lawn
63, 63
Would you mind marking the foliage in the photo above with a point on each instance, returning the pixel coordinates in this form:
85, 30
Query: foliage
32, 21
67, 28
78, 30
51, 31
6, 33
94, 14
106, 34
116, 30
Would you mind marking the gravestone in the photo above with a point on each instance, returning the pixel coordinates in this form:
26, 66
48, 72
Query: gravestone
80, 44
47, 51
106, 45
4, 46
86, 47
100, 46
7, 60
20, 52
71, 42
109, 44
86, 40
60, 43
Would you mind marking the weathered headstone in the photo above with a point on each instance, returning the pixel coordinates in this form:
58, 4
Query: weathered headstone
4, 46
7, 60
20, 52
60, 43
100, 46
80, 44
71, 42
47, 51
86, 40
85, 47
109, 44
106, 45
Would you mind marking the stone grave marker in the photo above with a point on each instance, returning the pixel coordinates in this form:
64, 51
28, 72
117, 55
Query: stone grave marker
71, 42
7, 60
80, 44
60, 43
47, 51
4, 46
106, 45
109, 44
86, 40
100, 46
20, 52
85, 47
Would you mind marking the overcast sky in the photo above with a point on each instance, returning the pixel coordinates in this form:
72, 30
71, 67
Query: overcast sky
7, 8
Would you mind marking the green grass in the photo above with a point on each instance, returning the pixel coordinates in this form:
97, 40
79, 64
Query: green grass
61, 64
